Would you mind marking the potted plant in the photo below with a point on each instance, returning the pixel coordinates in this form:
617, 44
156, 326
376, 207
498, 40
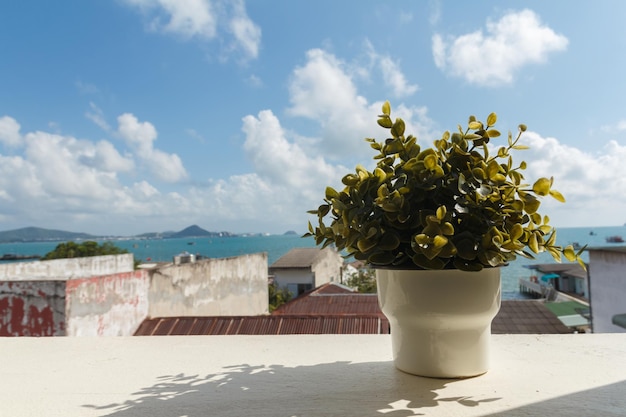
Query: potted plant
437, 223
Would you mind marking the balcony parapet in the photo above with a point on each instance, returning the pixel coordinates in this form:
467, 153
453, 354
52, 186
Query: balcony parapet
303, 375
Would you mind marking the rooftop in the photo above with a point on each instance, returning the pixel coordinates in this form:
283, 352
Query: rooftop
324, 375
297, 258
323, 312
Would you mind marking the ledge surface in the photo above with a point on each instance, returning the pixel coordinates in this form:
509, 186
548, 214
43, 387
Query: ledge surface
323, 375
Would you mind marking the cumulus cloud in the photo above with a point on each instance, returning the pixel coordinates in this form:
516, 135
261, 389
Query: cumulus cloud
593, 184
323, 90
280, 161
76, 184
140, 137
494, 56
10, 132
204, 20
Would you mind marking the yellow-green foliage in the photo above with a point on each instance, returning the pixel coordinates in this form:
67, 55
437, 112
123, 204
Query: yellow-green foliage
454, 205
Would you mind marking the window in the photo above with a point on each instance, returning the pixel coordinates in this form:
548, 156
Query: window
298, 289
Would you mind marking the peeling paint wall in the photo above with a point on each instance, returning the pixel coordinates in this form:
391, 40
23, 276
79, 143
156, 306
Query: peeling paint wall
62, 269
32, 308
109, 305
211, 287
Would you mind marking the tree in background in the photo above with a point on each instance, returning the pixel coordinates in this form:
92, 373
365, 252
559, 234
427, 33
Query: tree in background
364, 280
81, 250
278, 296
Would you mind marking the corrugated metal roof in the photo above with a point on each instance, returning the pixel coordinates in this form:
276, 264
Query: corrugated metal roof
332, 288
526, 317
330, 304
298, 258
514, 317
263, 325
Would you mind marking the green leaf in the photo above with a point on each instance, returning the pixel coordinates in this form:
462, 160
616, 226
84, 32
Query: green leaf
440, 241
491, 119
557, 196
493, 133
398, 127
569, 253
365, 245
389, 241
475, 125
331, 193
386, 108
441, 212
541, 186
533, 244
385, 122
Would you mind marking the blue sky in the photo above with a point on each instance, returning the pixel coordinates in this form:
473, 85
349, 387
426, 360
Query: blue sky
127, 116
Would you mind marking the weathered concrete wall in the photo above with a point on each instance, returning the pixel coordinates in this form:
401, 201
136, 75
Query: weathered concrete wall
32, 308
110, 305
327, 267
211, 287
60, 269
287, 276
607, 289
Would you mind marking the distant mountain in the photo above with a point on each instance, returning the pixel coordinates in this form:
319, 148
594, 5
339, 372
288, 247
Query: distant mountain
37, 234
197, 231
290, 232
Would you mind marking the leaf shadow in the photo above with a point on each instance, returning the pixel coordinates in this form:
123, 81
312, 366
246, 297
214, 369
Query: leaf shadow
338, 388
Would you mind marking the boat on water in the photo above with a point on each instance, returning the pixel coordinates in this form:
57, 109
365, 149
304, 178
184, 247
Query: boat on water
614, 239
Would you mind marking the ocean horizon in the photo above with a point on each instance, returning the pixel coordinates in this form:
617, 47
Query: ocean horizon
164, 250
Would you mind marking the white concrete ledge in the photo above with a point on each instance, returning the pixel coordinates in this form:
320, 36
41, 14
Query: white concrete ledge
325, 375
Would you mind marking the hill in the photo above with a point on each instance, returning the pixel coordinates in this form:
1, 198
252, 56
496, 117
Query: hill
197, 231
37, 234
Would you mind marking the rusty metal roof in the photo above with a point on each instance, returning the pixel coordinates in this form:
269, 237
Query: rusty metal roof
331, 299
526, 317
332, 288
263, 325
514, 317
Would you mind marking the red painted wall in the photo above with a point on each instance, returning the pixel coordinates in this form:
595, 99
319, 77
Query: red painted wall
32, 308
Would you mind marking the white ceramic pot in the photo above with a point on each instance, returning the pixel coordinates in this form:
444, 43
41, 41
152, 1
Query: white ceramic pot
440, 320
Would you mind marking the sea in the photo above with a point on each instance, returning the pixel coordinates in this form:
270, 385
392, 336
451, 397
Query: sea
164, 250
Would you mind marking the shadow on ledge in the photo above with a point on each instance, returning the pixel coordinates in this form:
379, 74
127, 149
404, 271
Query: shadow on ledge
333, 389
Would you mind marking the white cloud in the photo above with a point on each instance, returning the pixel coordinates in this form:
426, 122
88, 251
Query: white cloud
63, 182
86, 88
435, 12
323, 90
247, 34
140, 137
620, 126
491, 59
395, 78
593, 184
391, 72
204, 20
96, 115
137, 135
282, 162
10, 131
189, 18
